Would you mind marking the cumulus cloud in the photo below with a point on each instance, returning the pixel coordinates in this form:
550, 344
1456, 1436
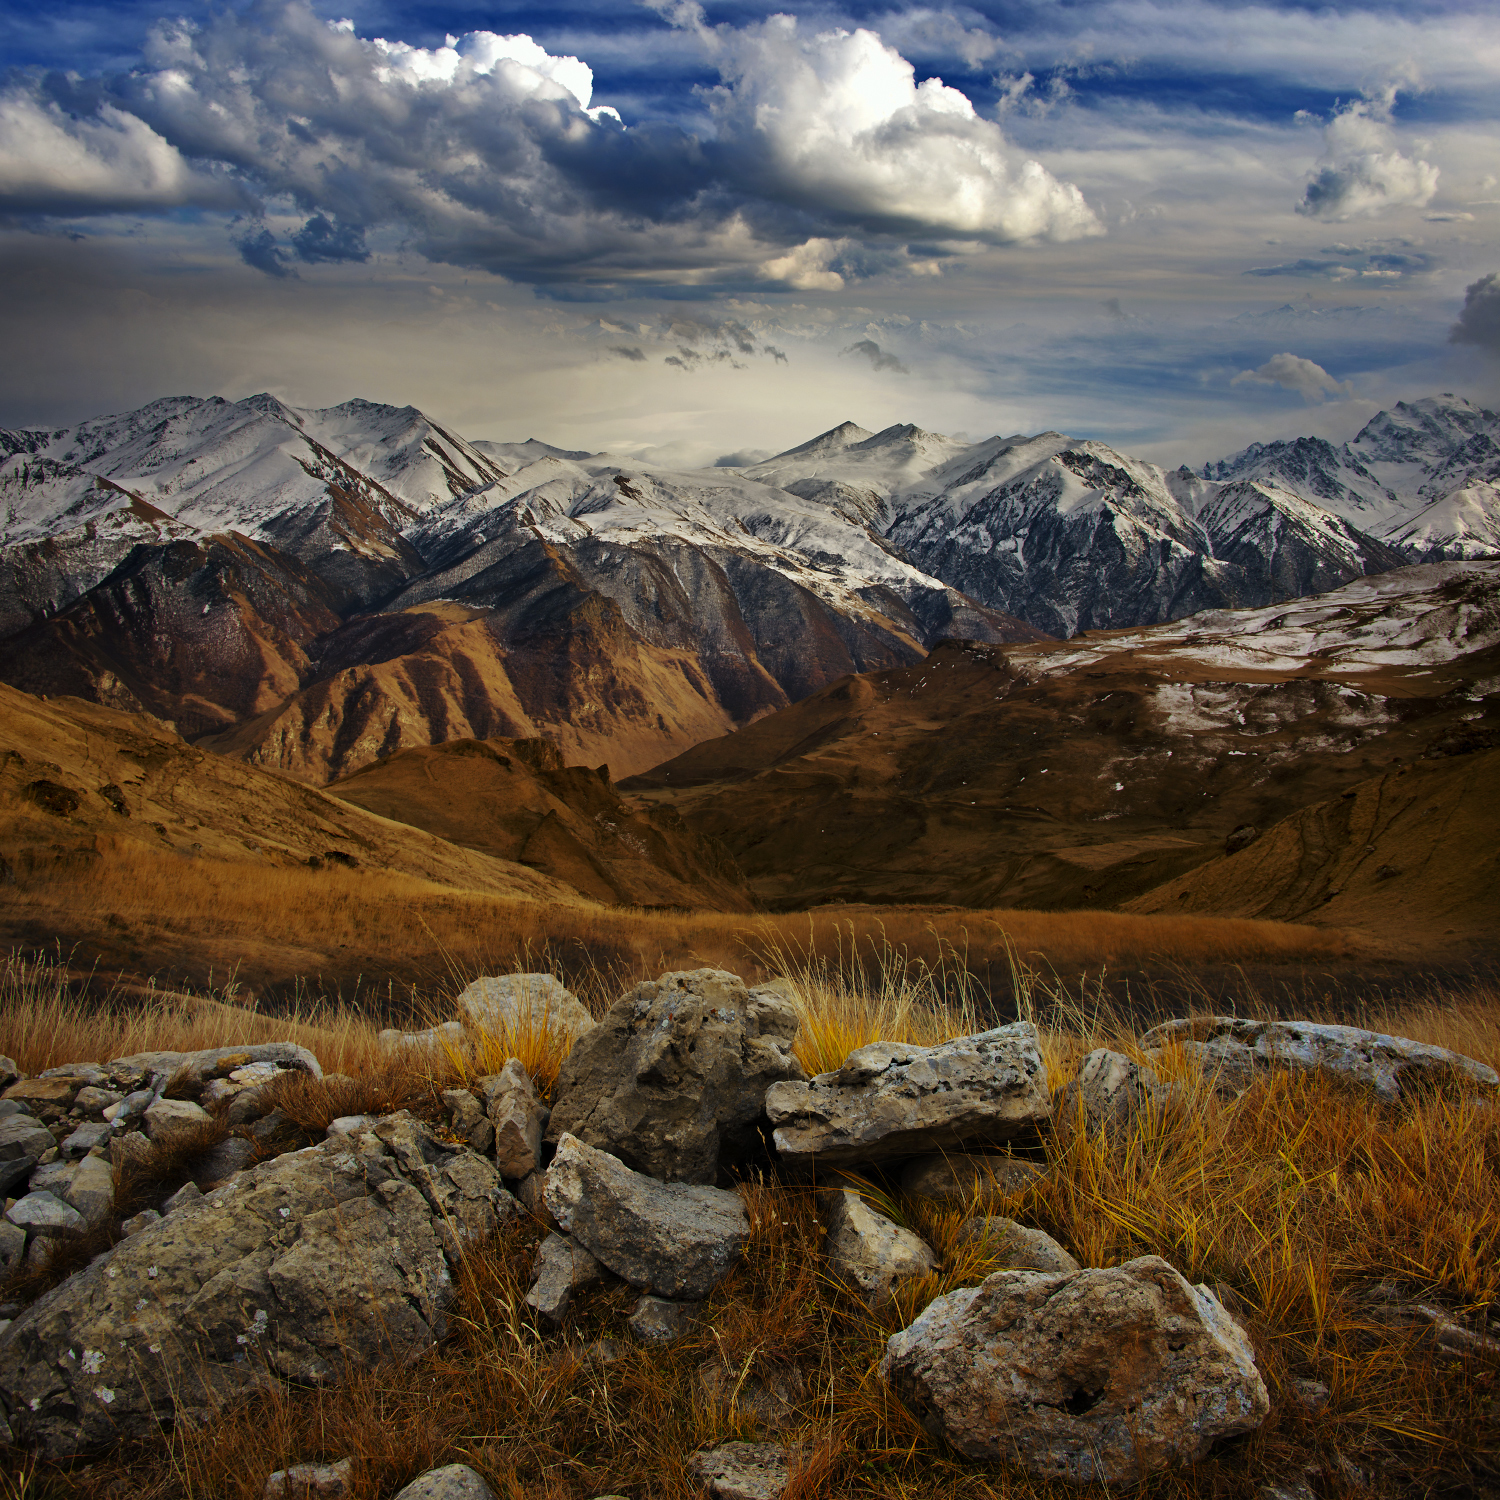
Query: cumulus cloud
1362, 172
823, 157
1479, 322
258, 249
1293, 373
742, 459
876, 357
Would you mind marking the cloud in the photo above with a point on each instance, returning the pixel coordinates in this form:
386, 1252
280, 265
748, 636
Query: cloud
258, 249
628, 353
821, 154
1362, 172
878, 358
1350, 263
1479, 322
743, 459
1311, 381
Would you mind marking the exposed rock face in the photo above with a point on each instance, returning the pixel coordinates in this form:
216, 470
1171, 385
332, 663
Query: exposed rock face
867, 1249
1110, 1090
1019, 1246
890, 1099
505, 1003
743, 1471
963, 1176
1097, 1377
673, 1239
518, 1117
1235, 1049
316, 1263
673, 1081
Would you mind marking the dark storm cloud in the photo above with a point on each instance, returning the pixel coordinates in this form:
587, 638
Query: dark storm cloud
258, 249
876, 357
318, 241
1479, 322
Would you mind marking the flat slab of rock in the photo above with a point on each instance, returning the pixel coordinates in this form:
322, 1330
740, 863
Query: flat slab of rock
962, 1176
316, 1263
865, 1248
743, 1471
190, 1069
311, 1481
453, 1482
506, 1003
1101, 1376
1236, 1049
673, 1080
674, 1239
1019, 1246
169, 1118
890, 1100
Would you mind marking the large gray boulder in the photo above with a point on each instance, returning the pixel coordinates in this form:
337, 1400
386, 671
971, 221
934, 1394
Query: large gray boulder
676, 1240
892, 1099
1111, 1090
304, 1268
1096, 1377
1237, 1049
502, 1004
674, 1079
865, 1248
451, 1482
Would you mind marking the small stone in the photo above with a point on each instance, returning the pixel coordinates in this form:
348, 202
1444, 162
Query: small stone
655, 1320
743, 1471
1308, 1396
84, 1139
560, 1269
137, 1222
92, 1191
770, 1398
1019, 1247
12, 1246
53, 1177
9, 1107
964, 1176
44, 1216
517, 1116
169, 1119
185, 1196
455, 1482
268, 1126
305, 1481
94, 1100
350, 1125
866, 1248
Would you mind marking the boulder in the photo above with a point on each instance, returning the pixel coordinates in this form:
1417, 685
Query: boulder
1111, 1090
447, 1037
137, 1222
84, 1139
743, 1471
311, 1481
1019, 1247
170, 1119
92, 1190
673, 1080
963, 1177
9, 1072
317, 1263
1236, 1049
654, 1320
502, 1005
45, 1216
1100, 1376
891, 1099
866, 1248
12, 1246
453, 1482
561, 1267
674, 1239
469, 1120
23, 1141
38, 1093
219, 1163
94, 1101
518, 1118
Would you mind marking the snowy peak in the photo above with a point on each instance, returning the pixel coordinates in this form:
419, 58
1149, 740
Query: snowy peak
1421, 432
835, 440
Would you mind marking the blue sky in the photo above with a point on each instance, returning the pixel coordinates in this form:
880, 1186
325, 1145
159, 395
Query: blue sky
681, 230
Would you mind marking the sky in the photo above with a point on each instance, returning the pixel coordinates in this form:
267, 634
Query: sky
699, 233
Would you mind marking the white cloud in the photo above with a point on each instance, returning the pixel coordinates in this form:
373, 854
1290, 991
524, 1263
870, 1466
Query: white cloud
1361, 171
1293, 373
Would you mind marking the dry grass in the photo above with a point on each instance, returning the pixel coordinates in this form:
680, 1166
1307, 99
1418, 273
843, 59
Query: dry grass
1294, 1198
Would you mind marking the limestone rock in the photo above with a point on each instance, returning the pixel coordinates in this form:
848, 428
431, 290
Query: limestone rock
453, 1482
1110, 1090
674, 1239
311, 1481
190, 1072
531, 1194
219, 1163
469, 1120
518, 1118
169, 1118
1235, 1049
23, 1139
448, 1036
890, 1099
84, 1139
866, 1248
44, 1216
961, 1176
673, 1080
306, 1267
92, 1190
9, 1072
37, 1093
504, 1004
1097, 1377
137, 1222
94, 1101
12, 1246
743, 1471
655, 1320
1020, 1247
561, 1267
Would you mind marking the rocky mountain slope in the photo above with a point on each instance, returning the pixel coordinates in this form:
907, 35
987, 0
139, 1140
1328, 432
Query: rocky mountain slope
316, 590
1088, 773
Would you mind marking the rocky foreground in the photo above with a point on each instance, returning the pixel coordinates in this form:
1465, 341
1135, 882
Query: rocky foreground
253, 1266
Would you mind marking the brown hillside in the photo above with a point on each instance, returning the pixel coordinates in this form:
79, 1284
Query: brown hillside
515, 799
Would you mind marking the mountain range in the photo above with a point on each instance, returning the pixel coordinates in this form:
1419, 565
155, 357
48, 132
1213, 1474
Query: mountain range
313, 591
